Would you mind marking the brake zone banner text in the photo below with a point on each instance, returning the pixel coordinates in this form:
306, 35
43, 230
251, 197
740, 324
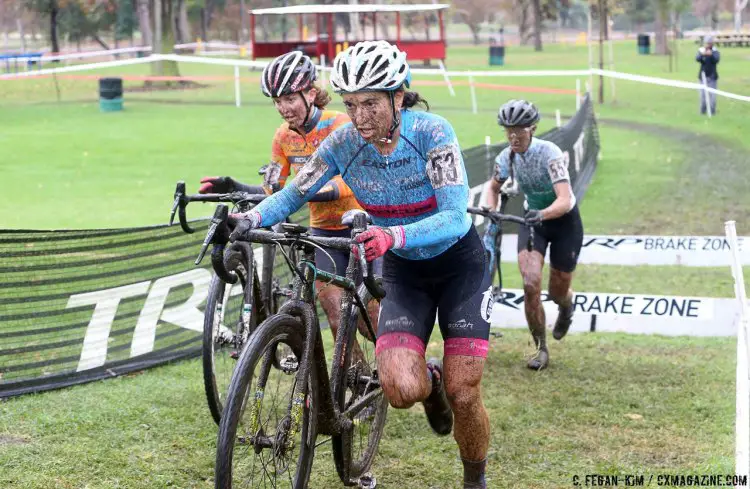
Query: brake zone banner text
691, 251
629, 313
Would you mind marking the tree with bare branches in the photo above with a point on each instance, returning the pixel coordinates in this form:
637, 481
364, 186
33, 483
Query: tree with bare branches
473, 13
50, 9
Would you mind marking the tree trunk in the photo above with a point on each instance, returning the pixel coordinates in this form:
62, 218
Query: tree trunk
739, 6
22, 35
523, 22
176, 21
184, 22
660, 27
537, 5
243, 22
473, 24
715, 16
676, 29
475, 29
158, 30
204, 24
144, 23
53, 26
166, 37
157, 67
98, 39
206, 13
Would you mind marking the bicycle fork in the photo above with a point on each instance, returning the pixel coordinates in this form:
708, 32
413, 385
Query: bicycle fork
284, 439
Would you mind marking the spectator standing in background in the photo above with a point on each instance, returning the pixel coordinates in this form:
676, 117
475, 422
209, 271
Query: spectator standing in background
708, 57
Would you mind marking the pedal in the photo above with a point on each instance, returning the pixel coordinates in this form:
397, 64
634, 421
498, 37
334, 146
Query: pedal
283, 292
289, 364
367, 481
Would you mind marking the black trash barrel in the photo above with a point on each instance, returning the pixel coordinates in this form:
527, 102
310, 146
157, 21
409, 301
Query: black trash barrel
497, 55
110, 94
644, 44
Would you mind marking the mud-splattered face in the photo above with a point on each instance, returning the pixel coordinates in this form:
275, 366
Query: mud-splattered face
520, 137
292, 107
371, 113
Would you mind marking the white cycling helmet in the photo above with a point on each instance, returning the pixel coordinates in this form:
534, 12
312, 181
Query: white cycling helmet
370, 66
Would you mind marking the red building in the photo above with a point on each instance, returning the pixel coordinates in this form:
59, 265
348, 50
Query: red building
327, 40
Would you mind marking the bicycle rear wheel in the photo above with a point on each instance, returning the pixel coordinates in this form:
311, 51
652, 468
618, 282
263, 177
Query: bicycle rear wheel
267, 433
230, 317
354, 449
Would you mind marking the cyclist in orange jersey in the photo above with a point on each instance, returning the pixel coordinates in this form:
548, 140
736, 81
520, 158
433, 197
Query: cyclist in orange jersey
290, 80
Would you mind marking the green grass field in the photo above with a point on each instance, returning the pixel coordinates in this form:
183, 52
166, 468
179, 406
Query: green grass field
610, 403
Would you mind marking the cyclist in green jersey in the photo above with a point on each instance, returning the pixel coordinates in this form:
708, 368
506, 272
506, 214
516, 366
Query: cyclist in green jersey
541, 172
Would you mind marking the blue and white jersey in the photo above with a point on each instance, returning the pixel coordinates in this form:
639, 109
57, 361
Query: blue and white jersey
420, 191
537, 171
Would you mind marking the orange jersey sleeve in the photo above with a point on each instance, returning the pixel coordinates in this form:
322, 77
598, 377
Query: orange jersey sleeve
340, 120
279, 168
344, 190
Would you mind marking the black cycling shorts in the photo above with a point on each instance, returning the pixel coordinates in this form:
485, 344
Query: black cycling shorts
340, 258
564, 236
454, 286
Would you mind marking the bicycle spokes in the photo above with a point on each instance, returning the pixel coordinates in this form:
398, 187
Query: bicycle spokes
271, 429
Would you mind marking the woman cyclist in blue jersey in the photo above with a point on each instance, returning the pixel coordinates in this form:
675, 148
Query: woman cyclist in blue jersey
406, 170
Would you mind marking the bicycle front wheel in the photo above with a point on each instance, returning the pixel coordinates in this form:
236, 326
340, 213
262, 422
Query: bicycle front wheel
268, 430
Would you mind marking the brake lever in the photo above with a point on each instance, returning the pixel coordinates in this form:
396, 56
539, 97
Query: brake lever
362, 259
175, 204
179, 192
180, 203
206, 242
219, 218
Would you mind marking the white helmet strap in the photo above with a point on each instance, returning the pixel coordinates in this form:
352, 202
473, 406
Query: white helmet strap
394, 123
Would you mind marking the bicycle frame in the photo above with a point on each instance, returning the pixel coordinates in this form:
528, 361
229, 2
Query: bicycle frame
331, 420
498, 218
504, 198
